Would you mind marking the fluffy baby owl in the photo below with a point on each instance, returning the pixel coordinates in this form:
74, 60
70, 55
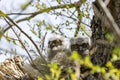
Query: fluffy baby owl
57, 50
81, 45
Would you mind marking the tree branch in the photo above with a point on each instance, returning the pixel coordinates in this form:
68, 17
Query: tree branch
45, 10
111, 20
20, 13
20, 41
6, 16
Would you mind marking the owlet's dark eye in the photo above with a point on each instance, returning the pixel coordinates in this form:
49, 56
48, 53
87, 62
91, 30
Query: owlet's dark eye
84, 45
60, 42
75, 46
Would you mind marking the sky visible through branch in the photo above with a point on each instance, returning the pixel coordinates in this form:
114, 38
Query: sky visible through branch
14, 6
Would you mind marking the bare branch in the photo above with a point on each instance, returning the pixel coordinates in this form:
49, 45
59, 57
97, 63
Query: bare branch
45, 10
4, 15
20, 41
43, 41
111, 20
107, 2
20, 13
79, 20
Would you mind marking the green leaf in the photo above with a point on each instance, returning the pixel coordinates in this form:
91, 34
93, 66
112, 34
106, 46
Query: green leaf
116, 51
3, 14
67, 7
49, 27
37, 5
26, 4
7, 38
75, 56
1, 34
41, 23
109, 64
39, 34
114, 57
82, 27
59, 1
83, 1
39, 78
43, 5
55, 71
33, 32
109, 37
31, 50
14, 41
72, 74
87, 15
88, 62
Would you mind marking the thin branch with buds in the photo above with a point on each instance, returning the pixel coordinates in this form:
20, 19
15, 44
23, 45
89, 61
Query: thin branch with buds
20, 41
6, 16
43, 11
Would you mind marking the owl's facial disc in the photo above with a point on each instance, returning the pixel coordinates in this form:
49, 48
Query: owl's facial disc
81, 48
55, 43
